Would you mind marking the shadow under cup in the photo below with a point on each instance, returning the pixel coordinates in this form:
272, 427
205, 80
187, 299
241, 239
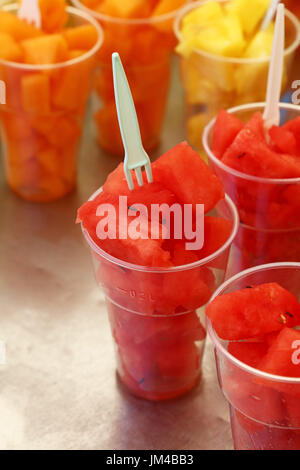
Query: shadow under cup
264, 408
156, 316
43, 117
269, 209
145, 46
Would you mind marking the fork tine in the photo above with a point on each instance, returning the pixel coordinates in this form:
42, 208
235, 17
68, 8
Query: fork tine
128, 177
149, 172
139, 176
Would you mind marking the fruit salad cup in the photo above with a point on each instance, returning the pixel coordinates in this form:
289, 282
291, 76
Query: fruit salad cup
264, 408
145, 45
268, 208
156, 317
213, 82
45, 102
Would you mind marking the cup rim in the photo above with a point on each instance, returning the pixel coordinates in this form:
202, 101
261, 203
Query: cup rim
216, 340
235, 60
232, 171
68, 63
173, 269
130, 21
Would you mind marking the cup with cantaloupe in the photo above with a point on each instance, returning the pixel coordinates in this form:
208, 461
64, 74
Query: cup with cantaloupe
48, 76
141, 31
224, 57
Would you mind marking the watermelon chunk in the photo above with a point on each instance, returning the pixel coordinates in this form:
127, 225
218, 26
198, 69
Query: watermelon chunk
283, 356
284, 140
248, 154
226, 128
216, 233
249, 352
253, 312
154, 193
186, 175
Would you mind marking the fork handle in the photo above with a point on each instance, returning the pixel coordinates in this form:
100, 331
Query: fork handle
128, 120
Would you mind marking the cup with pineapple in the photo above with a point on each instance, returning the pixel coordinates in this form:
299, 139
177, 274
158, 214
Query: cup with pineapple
225, 55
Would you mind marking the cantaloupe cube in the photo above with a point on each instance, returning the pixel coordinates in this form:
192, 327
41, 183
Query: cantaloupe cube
165, 6
75, 53
54, 15
36, 93
48, 49
71, 88
81, 37
125, 8
18, 29
9, 48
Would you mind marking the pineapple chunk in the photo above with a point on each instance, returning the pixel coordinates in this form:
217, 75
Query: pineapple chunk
209, 29
250, 13
261, 44
203, 16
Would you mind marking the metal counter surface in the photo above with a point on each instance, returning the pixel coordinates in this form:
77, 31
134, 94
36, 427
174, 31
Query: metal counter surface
58, 389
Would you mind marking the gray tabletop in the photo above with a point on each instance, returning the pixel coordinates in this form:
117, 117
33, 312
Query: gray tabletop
58, 389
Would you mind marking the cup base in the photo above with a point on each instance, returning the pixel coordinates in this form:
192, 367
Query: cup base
157, 396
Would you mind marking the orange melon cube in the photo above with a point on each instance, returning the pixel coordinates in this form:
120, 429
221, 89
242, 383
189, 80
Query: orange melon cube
81, 37
49, 160
9, 48
54, 15
165, 6
48, 49
125, 8
75, 53
36, 93
18, 29
71, 88
16, 126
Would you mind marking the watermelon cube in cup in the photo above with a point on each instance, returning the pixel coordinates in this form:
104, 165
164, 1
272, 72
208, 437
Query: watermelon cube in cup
48, 75
263, 179
156, 288
257, 352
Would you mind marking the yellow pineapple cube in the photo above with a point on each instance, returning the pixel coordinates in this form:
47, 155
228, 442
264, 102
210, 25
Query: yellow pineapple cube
250, 12
261, 44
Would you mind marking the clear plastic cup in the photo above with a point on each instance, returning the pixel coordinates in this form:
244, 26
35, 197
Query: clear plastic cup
43, 117
156, 317
213, 82
264, 408
268, 208
145, 47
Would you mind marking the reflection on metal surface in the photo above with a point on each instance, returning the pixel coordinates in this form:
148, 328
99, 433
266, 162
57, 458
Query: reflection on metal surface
58, 389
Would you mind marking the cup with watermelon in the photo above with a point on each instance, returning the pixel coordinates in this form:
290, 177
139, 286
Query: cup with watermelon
47, 74
156, 288
261, 172
253, 320
141, 31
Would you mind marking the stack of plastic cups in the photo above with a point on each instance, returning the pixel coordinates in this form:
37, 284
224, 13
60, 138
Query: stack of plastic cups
268, 208
145, 46
264, 408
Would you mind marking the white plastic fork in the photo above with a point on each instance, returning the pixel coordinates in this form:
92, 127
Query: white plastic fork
30, 12
269, 15
135, 156
272, 111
